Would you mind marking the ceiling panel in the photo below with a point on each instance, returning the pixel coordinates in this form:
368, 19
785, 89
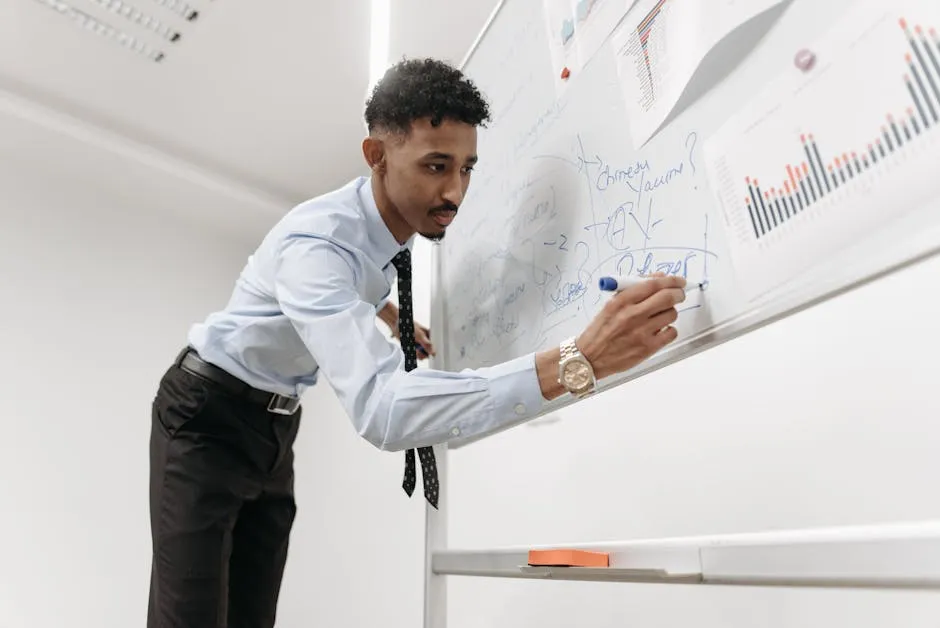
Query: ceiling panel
269, 92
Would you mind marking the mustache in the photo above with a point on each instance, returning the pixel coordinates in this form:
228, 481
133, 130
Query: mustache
446, 207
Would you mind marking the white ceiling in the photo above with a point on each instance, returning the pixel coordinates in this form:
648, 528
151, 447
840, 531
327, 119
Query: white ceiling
261, 97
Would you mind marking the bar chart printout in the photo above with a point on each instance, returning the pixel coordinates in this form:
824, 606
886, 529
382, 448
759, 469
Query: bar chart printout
819, 160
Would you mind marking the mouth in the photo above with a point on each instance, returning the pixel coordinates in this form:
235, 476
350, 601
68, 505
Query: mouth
443, 218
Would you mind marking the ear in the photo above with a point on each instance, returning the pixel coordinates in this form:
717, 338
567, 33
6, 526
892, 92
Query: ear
373, 149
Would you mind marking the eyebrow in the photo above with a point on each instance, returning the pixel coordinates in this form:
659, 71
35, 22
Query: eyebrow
445, 156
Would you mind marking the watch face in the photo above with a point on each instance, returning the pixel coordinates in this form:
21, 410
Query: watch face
577, 375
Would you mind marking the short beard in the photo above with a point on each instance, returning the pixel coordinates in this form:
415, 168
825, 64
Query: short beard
435, 238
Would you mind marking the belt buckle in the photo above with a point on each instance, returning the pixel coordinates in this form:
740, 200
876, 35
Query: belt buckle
280, 404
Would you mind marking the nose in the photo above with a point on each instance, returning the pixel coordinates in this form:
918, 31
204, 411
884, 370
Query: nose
453, 190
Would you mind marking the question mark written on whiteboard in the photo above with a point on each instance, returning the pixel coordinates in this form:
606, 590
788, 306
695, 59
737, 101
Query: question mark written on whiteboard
692, 138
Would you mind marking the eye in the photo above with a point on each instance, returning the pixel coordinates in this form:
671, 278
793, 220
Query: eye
468, 169
436, 167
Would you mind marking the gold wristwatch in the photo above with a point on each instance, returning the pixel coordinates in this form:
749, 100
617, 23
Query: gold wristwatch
575, 373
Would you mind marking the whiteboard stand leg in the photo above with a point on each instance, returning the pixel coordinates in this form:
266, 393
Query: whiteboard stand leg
435, 539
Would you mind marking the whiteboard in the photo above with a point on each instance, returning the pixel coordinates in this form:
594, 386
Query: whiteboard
562, 196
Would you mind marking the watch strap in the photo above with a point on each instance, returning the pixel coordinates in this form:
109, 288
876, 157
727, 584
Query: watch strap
568, 348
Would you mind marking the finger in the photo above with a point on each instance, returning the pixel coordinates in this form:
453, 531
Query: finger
662, 301
666, 336
646, 289
662, 320
426, 344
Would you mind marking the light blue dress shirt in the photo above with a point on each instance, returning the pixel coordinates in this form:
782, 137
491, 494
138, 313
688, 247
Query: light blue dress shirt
305, 304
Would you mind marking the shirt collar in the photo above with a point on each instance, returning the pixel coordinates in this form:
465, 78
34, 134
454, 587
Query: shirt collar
384, 244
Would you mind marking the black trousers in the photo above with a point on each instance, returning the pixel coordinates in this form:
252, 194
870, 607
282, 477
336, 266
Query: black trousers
221, 505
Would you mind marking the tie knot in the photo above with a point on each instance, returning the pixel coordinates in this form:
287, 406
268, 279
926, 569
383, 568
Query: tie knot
402, 260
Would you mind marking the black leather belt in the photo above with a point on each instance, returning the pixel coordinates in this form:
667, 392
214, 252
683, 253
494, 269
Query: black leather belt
275, 403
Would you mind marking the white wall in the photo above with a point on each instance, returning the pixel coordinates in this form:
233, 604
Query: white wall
98, 295
101, 282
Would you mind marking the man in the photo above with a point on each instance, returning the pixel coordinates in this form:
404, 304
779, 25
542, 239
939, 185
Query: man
227, 411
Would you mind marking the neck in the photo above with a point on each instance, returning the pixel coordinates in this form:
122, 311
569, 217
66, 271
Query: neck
400, 229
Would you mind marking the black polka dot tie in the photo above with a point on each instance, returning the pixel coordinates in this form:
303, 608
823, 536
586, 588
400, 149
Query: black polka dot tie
406, 332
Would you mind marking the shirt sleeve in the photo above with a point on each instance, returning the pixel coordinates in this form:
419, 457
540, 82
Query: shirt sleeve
393, 409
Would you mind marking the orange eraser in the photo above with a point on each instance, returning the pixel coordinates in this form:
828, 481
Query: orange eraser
568, 558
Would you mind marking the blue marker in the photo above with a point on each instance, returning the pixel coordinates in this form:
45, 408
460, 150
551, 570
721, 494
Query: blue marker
618, 284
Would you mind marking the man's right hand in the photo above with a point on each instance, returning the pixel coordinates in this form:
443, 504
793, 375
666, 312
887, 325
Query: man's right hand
632, 326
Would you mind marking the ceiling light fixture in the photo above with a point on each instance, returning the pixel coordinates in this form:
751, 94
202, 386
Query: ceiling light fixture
137, 16
179, 7
378, 52
95, 25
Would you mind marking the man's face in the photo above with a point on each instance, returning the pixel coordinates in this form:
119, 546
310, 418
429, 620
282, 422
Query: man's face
428, 172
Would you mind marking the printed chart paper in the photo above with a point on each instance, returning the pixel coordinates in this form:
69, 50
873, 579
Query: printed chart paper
577, 29
659, 46
819, 160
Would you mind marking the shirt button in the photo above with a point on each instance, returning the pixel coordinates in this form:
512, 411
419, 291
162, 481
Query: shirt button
520, 409
455, 431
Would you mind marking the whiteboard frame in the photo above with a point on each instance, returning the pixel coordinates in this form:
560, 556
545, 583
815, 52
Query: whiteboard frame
884, 542
435, 522
896, 556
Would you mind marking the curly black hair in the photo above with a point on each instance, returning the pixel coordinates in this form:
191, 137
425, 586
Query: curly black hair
424, 88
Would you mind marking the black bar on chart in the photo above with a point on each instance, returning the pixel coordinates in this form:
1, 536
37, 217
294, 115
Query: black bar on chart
914, 124
848, 165
763, 205
776, 203
771, 210
812, 165
916, 99
750, 189
774, 209
760, 208
792, 192
805, 193
819, 162
822, 169
894, 127
750, 211
809, 181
